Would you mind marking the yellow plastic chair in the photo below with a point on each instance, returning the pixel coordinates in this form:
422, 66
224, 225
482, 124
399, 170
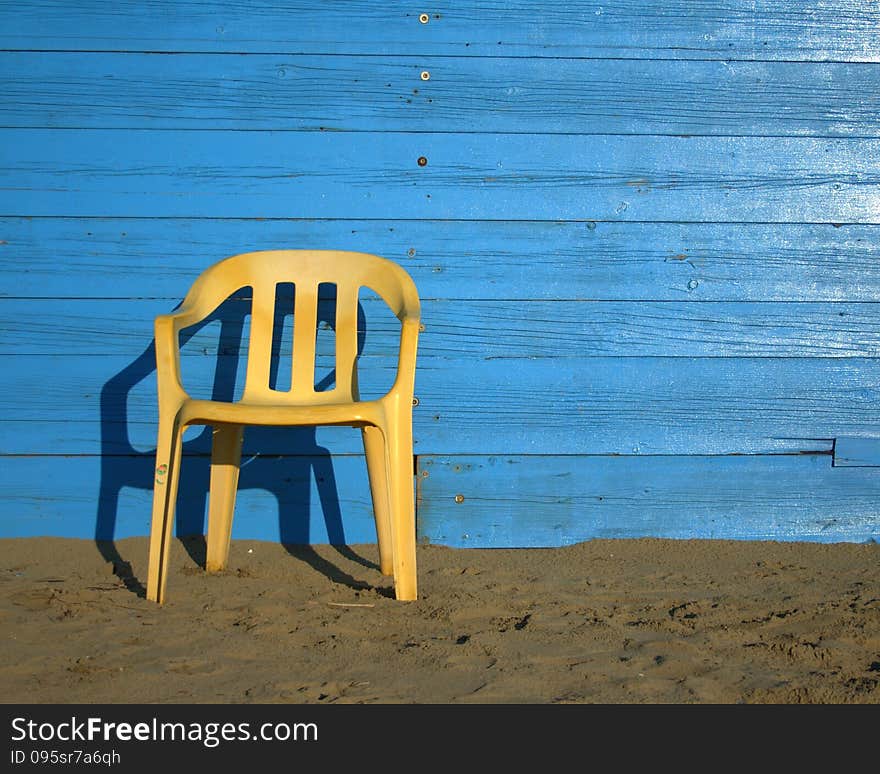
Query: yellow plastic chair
386, 423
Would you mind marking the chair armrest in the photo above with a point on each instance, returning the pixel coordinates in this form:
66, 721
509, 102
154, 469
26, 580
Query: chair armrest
406, 358
167, 329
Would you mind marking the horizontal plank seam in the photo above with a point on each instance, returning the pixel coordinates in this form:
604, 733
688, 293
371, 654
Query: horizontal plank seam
457, 357
499, 300
388, 54
513, 359
302, 130
557, 221
436, 132
430, 455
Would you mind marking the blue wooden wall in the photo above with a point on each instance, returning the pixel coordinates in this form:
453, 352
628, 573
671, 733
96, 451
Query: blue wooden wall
647, 236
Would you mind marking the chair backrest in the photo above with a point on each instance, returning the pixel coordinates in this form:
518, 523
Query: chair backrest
307, 269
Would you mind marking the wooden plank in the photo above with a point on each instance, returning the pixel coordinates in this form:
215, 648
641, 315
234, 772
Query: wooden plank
517, 501
673, 29
488, 330
462, 94
160, 258
475, 176
857, 452
511, 501
589, 405
287, 499
125, 327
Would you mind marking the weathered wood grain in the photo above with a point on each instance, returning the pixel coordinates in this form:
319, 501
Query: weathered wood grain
463, 94
477, 330
160, 258
673, 29
590, 405
553, 501
476, 176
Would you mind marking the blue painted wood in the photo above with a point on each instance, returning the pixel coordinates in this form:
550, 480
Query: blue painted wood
463, 94
570, 209
508, 501
670, 29
160, 258
288, 499
475, 330
511, 501
857, 452
497, 177
591, 405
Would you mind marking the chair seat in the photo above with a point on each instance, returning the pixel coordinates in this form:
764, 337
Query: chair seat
282, 413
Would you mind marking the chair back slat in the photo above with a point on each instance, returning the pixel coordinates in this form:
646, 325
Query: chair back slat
305, 324
260, 341
346, 338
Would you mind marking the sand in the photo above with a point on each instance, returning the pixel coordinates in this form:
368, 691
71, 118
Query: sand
608, 621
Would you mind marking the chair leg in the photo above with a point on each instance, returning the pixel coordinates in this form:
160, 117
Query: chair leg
225, 466
374, 448
402, 501
167, 474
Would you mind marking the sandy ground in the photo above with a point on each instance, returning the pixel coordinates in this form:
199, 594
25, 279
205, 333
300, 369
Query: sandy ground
603, 621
